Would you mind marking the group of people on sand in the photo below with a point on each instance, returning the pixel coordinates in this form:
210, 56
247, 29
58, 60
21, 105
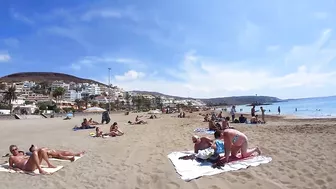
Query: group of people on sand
181, 115
20, 161
139, 121
254, 117
227, 145
87, 124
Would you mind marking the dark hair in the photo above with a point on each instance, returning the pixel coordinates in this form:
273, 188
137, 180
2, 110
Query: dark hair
97, 128
227, 118
217, 134
115, 123
31, 148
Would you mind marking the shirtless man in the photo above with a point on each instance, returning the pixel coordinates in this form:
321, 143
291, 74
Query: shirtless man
201, 143
212, 125
19, 162
58, 154
234, 141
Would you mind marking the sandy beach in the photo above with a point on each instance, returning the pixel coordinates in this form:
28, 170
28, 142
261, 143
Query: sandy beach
303, 153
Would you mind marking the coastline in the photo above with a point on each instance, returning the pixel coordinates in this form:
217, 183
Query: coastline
139, 158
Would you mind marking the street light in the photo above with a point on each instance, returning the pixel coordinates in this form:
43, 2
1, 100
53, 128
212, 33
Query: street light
109, 91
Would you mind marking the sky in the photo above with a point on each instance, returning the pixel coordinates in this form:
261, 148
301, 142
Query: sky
190, 48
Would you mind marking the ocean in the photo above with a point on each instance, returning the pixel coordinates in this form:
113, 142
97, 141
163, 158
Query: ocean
320, 107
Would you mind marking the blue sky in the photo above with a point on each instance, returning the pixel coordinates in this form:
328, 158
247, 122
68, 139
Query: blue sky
189, 48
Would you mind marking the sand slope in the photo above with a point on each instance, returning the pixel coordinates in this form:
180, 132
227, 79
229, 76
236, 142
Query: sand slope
303, 153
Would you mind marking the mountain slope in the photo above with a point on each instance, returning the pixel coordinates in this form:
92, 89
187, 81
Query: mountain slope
236, 100
44, 77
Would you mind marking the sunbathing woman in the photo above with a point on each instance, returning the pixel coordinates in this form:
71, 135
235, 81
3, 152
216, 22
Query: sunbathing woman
58, 154
114, 130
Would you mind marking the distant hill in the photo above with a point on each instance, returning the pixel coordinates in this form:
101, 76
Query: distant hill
44, 77
235, 100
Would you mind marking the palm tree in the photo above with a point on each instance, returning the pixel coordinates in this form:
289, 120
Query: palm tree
86, 99
10, 96
128, 99
58, 93
79, 103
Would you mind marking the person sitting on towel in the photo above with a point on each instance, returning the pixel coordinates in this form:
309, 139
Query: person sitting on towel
19, 162
57, 154
91, 122
114, 130
137, 121
226, 124
213, 126
201, 143
218, 146
236, 141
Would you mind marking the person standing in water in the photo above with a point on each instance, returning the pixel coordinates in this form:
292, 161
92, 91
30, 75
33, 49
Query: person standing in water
279, 110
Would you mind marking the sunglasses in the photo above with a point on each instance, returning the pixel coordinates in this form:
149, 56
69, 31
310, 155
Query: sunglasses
14, 149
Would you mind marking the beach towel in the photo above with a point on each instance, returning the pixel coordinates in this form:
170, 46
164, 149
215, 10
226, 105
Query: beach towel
55, 159
192, 169
94, 135
204, 130
5, 168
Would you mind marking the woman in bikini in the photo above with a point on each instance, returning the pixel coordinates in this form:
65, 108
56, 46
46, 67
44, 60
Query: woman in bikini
234, 141
114, 130
91, 122
58, 154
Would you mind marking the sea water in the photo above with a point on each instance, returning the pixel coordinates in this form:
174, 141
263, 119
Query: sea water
320, 107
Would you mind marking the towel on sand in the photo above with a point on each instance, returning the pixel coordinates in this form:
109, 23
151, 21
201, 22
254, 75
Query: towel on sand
192, 169
204, 130
5, 168
94, 135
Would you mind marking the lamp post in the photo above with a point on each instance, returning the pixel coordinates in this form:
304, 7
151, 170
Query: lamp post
109, 90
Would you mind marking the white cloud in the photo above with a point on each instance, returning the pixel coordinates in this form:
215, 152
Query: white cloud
199, 76
90, 61
316, 55
20, 17
131, 75
4, 57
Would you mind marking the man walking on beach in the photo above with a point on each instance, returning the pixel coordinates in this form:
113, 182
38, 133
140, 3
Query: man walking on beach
253, 111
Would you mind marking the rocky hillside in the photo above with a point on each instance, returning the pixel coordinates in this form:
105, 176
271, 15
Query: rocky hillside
44, 77
236, 100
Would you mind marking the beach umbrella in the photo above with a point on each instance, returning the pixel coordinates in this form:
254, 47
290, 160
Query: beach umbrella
94, 109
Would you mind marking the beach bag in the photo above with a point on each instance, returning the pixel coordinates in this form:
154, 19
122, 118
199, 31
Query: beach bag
205, 154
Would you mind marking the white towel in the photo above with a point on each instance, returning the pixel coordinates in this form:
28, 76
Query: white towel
192, 169
5, 168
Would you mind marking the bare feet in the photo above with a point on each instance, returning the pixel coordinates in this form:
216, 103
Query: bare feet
51, 166
72, 159
42, 172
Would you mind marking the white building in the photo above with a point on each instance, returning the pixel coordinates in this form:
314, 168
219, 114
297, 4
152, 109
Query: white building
93, 89
57, 84
72, 95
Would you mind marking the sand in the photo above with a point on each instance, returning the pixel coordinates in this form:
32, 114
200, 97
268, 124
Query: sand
303, 153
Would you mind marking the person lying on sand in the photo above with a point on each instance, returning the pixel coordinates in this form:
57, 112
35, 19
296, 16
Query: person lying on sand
114, 130
152, 117
201, 143
91, 122
19, 162
85, 125
137, 121
57, 154
236, 141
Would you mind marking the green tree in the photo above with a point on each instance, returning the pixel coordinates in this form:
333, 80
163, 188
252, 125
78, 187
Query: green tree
86, 100
10, 96
128, 100
159, 103
58, 93
79, 103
